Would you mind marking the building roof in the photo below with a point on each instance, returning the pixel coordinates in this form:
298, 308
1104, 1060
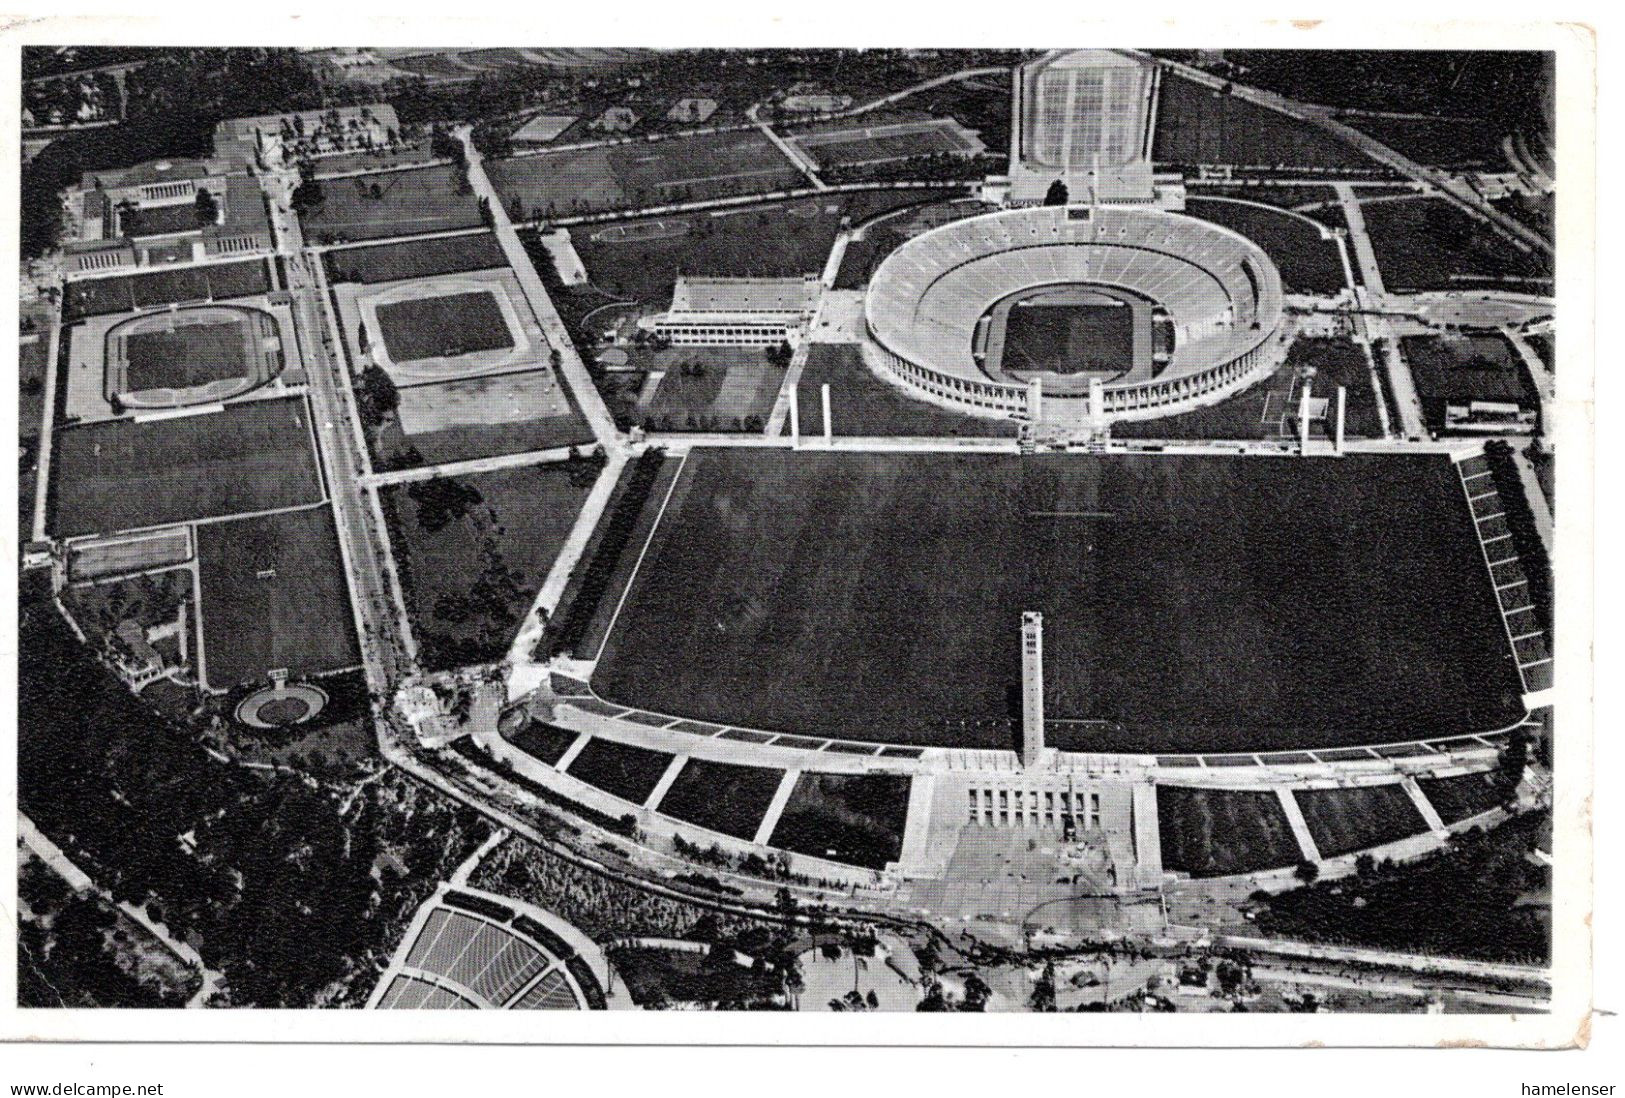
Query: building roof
156, 171
745, 295
244, 205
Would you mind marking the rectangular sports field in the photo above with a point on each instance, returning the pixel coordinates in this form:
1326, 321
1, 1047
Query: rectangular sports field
191, 355
1069, 338
415, 259
1191, 603
444, 326
120, 474
274, 596
642, 173
413, 200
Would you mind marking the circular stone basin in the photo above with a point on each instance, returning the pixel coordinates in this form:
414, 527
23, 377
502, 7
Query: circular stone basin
281, 707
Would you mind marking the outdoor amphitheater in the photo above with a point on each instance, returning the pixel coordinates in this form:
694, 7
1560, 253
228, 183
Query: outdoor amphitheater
182, 357
939, 311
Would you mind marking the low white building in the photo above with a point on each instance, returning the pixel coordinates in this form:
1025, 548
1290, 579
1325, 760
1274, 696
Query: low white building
738, 312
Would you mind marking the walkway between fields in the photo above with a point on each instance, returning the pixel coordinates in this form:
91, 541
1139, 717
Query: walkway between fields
570, 365
471, 466
1400, 383
803, 163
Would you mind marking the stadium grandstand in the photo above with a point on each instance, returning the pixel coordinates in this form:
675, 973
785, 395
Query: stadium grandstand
929, 325
745, 312
472, 950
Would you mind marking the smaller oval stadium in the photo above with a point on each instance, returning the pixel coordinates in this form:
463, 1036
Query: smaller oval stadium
182, 357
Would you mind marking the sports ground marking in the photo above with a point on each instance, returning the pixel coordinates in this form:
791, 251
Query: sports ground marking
632, 579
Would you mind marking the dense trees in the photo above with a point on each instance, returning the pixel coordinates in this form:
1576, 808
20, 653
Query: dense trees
275, 887
174, 101
376, 398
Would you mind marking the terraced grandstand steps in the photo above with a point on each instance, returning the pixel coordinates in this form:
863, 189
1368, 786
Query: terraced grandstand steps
1506, 533
470, 949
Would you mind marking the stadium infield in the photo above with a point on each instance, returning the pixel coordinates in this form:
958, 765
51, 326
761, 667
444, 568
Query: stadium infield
1191, 603
444, 326
121, 474
181, 358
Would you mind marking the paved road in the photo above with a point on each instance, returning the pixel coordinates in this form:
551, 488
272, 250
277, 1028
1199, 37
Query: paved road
1414, 962
574, 371
47, 424
798, 159
470, 467
379, 619
1370, 295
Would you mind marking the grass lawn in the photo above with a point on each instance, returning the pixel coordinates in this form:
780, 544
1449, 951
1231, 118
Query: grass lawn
1217, 832
544, 742
628, 772
443, 326
1257, 411
392, 448
1308, 263
414, 200
1428, 244
470, 583
274, 596
121, 474
415, 259
1070, 338
1197, 125
1465, 795
216, 281
853, 818
1342, 821
589, 602
1191, 603
772, 240
642, 173
863, 404
498, 434
721, 796
195, 354
708, 388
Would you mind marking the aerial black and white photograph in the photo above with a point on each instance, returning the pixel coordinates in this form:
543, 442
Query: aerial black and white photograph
1042, 530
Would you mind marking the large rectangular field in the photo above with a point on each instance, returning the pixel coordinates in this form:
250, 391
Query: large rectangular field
642, 173
274, 596
410, 201
120, 474
1069, 338
1191, 603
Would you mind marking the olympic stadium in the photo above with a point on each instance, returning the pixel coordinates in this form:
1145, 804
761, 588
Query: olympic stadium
939, 310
